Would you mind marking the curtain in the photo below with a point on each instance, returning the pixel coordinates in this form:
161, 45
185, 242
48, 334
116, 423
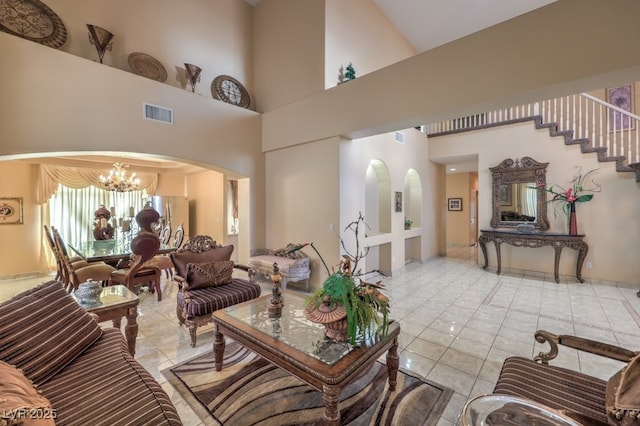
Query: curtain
71, 210
77, 177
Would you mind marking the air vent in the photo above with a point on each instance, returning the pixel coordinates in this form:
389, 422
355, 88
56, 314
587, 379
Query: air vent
157, 113
399, 137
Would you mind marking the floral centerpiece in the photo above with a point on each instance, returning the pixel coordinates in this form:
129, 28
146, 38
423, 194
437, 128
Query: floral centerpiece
350, 308
581, 189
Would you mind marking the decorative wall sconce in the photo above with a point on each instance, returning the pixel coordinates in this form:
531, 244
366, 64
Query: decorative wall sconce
101, 39
193, 74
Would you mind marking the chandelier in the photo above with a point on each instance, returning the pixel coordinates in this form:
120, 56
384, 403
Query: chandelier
117, 179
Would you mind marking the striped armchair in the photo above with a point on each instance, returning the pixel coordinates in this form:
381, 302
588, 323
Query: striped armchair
589, 400
204, 271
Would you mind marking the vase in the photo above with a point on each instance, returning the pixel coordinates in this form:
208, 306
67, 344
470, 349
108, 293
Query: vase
573, 221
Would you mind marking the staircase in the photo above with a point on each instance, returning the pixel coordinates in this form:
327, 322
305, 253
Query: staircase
597, 126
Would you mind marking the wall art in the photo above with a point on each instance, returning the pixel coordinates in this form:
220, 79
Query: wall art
11, 211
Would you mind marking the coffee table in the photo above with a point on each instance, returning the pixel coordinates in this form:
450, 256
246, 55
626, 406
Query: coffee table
297, 345
118, 301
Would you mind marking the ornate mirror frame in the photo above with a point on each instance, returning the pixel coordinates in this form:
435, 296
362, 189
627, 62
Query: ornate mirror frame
520, 171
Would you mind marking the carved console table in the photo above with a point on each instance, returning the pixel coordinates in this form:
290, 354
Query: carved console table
538, 239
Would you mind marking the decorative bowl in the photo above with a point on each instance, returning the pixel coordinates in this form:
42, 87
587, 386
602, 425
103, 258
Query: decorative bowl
88, 293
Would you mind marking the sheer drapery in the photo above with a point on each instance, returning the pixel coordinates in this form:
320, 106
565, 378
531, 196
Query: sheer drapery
71, 210
77, 177
529, 201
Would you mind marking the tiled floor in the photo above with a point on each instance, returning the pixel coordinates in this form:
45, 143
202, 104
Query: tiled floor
458, 324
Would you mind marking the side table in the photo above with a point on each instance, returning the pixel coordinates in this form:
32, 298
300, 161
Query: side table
116, 302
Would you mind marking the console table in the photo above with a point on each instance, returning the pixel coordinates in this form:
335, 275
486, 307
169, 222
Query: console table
537, 239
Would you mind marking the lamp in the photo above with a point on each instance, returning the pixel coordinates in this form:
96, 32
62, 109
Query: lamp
101, 39
193, 74
117, 179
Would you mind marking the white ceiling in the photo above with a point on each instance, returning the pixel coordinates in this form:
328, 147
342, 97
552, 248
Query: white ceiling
430, 23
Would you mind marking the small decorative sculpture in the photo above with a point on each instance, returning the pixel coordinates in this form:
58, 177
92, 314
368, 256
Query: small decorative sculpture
277, 302
101, 39
193, 74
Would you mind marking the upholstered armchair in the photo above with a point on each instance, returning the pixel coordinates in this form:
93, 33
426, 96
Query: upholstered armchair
203, 270
589, 400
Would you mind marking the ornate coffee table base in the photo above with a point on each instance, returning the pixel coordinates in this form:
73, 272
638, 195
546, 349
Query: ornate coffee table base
328, 378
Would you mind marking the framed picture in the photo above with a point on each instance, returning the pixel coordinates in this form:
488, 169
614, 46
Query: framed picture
398, 201
505, 195
455, 204
622, 97
11, 211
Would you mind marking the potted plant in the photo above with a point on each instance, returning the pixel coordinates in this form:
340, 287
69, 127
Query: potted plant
350, 308
407, 223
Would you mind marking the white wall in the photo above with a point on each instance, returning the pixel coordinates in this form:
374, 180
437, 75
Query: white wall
609, 220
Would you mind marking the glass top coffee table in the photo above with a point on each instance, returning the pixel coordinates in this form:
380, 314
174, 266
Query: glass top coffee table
505, 410
298, 346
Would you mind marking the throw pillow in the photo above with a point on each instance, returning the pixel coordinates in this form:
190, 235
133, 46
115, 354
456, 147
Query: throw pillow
43, 329
208, 274
20, 402
180, 259
623, 395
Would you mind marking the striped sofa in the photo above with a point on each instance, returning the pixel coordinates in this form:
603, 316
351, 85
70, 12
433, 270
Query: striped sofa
587, 399
74, 372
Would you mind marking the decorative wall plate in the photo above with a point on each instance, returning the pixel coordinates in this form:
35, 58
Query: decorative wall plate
147, 66
230, 90
32, 20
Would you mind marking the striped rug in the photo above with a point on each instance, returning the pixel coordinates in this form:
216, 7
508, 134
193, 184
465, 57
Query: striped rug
251, 391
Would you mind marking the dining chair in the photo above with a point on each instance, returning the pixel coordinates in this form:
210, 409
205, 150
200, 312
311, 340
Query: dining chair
178, 237
165, 234
76, 261
72, 278
144, 246
163, 261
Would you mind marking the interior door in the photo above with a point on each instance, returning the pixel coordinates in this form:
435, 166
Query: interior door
473, 217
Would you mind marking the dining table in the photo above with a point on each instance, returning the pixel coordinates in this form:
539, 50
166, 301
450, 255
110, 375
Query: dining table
110, 251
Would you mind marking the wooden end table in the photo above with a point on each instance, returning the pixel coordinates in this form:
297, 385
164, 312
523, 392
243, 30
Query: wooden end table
297, 345
118, 301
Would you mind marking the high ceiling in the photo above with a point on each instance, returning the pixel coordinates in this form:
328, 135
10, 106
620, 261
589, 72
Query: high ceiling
430, 23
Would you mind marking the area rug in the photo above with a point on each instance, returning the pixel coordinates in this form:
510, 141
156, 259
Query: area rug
251, 391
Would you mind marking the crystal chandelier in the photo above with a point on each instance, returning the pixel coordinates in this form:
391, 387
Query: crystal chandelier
117, 179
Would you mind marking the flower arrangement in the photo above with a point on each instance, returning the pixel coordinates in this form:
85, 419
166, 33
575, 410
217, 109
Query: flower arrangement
581, 189
366, 308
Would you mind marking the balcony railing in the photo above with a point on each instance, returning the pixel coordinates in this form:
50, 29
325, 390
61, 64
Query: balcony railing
603, 124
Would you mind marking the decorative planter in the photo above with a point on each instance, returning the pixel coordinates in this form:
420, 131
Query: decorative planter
333, 317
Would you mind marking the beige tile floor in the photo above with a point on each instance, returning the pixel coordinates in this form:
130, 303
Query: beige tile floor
458, 322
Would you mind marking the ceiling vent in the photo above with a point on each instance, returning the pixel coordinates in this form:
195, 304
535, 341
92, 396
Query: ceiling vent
157, 113
399, 136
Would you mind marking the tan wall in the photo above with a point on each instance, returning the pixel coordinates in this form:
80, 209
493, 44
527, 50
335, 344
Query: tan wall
215, 36
288, 37
206, 205
458, 221
21, 251
358, 32
171, 185
609, 220
498, 67
303, 189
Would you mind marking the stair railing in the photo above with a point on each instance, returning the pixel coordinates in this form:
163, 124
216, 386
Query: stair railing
590, 118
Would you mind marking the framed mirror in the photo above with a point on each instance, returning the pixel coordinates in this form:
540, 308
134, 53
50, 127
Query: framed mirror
519, 195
